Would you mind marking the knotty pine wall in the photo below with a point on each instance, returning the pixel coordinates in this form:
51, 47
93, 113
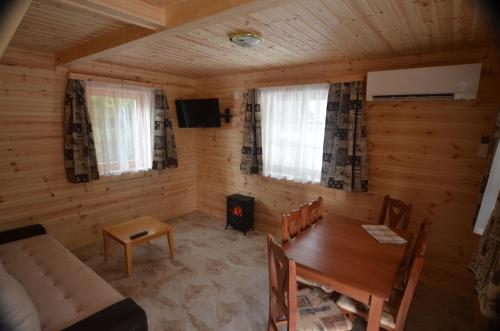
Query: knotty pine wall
423, 152
33, 186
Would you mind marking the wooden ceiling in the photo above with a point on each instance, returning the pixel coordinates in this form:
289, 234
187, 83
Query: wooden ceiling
314, 31
296, 32
52, 26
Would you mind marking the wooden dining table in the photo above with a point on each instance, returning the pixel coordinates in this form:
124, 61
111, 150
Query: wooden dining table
339, 253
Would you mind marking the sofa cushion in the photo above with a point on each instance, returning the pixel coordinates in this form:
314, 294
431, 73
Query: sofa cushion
63, 289
17, 311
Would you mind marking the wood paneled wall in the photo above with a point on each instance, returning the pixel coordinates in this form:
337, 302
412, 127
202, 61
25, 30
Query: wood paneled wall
33, 186
423, 152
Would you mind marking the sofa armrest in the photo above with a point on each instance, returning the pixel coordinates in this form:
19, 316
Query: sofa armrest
124, 315
21, 233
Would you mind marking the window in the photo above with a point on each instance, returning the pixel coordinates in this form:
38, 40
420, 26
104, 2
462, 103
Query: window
122, 119
293, 128
490, 194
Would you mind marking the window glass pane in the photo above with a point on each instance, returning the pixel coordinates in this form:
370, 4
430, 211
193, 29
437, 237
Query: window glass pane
122, 123
293, 125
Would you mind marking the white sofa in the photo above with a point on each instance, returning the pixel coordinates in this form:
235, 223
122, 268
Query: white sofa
64, 291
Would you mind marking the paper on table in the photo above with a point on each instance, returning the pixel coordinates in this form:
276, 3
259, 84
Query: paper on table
383, 234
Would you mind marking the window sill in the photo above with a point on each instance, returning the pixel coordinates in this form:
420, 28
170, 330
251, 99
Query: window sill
126, 176
338, 195
106, 179
291, 180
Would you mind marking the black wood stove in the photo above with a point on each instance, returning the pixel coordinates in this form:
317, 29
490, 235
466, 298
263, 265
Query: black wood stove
240, 212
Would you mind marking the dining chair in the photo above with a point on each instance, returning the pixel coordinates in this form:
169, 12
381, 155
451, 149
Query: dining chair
293, 309
399, 213
312, 212
396, 310
291, 224
305, 212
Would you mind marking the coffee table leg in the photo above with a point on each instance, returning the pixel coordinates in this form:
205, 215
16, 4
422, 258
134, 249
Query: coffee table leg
170, 236
128, 257
105, 240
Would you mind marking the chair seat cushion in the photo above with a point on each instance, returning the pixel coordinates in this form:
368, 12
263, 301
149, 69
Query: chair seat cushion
355, 307
314, 284
317, 312
350, 305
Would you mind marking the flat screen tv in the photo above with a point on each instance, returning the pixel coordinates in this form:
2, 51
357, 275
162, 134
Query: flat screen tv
198, 113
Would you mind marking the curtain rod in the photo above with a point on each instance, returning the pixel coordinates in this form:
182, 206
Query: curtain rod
75, 75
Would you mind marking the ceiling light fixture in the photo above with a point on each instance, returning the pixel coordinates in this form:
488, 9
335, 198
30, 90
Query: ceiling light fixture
245, 39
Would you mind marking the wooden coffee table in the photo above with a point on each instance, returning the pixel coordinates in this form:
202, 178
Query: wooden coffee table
121, 233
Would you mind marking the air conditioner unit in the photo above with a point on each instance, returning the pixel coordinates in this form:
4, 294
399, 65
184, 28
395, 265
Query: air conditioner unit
444, 82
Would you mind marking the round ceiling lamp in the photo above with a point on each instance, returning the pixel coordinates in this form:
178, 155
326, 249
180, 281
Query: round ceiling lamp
245, 39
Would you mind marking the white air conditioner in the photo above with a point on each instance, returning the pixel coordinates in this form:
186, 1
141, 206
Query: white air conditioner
444, 82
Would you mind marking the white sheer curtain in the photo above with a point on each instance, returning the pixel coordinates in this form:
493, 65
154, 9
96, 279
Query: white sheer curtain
293, 127
122, 119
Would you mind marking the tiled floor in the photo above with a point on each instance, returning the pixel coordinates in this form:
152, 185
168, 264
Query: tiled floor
218, 281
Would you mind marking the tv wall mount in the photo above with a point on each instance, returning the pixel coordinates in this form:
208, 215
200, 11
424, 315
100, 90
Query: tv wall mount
227, 115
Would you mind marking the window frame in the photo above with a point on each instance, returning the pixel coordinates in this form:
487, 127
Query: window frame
293, 172
129, 174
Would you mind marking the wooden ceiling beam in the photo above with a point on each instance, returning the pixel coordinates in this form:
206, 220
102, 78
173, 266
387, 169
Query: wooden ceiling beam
135, 12
105, 45
185, 17
10, 20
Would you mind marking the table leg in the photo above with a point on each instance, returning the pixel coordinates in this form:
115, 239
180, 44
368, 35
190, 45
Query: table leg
170, 236
128, 258
105, 240
376, 305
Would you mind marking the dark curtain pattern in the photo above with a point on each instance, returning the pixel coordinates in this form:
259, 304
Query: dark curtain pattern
251, 152
491, 154
79, 151
345, 156
486, 266
164, 149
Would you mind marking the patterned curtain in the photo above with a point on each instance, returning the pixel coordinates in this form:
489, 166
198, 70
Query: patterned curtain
345, 156
486, 176
165, 151
486, 266
251, 152
79, 151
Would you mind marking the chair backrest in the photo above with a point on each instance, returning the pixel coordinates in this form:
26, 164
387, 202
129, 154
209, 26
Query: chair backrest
399, 213
305, 211
291, 225
316, 210
282, 288
417, 261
